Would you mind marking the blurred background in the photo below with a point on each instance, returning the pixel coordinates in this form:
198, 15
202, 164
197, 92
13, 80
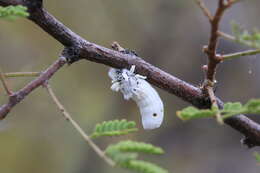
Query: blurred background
169, 34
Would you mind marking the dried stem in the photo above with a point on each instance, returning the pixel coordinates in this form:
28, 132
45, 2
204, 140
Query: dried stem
21, 74
18, 96
210, 50
226, 36
204, 9
5, 85
207, 13
214, 104
213, 59
68, 117
239, 54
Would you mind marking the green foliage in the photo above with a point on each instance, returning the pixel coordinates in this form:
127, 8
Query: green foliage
114, 128
118, 156
245, 37
257, 157
230, 109
192, 113
253, 106
133, 146
12, 12
125, 154
144, 167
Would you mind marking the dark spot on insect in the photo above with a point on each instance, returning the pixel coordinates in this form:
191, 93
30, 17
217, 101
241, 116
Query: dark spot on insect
154, 114
134, 89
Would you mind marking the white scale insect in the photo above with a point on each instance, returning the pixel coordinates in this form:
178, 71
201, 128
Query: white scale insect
136, 87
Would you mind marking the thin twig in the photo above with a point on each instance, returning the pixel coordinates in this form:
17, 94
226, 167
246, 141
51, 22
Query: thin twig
214, 104
68, 117
239, 54
210, 50
207, 13
22, 74
204, 9
18, 96
5, 85
213, 60
226, 36
234, 39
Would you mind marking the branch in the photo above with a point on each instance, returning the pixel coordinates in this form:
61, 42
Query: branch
78, 48
210, 50
239, 54
213, 59
226, 36
204, 9
21, 74
17, 97
68, 117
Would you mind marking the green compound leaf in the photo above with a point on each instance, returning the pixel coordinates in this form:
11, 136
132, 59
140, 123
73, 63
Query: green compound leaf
114, 128
253, 106
133, 146
193, 113
232, 107
125, 154
118, 156
257, 157
13, 12
229, 109
251, 39
143, 167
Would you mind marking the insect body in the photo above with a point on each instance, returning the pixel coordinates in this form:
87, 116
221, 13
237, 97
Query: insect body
135, 86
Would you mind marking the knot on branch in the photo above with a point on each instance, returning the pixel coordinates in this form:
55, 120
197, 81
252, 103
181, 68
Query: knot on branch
72, 54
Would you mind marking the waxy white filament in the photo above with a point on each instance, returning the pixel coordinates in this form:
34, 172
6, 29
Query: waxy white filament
135, 86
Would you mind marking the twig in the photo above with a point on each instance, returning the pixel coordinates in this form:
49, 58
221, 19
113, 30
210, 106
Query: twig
21, 74
68, 117
210, 50
239, 54
214, 104
214, 60
18, 96
234, 39
5, 85
226, 36
207, 13
204, 9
